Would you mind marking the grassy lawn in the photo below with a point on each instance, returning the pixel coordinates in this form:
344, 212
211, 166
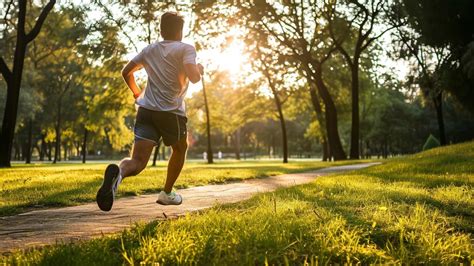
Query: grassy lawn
25, 187
410, 210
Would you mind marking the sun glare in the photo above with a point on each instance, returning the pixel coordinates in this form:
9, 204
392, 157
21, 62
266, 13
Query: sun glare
232, 58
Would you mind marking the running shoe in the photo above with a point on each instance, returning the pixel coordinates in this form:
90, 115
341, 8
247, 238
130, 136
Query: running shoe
105, 195
172, 198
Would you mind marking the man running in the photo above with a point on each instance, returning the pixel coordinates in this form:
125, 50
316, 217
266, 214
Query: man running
169, 65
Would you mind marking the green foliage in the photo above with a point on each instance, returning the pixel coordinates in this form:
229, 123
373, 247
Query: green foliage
431, 142
436, 30
76, 66
412, 210
394, 118
232, 107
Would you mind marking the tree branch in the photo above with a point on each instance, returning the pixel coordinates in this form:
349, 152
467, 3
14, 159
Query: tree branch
341, 49
316, 25
39, 23
328, 54
379, 35
6, 73
337, 43
119, 24
413, 51
6, 13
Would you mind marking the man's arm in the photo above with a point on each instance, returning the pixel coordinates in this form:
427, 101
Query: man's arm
194, 72
127, 74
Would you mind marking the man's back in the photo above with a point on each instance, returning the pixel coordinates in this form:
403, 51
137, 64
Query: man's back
167, 83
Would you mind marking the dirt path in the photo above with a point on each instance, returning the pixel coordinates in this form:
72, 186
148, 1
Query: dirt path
42, 227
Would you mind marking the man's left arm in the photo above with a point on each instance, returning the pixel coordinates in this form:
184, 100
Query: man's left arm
127, 74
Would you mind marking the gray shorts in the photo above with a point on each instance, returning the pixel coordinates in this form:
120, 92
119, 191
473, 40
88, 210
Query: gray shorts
154, 125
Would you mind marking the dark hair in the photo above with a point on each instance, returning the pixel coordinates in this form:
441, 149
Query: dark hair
171, 23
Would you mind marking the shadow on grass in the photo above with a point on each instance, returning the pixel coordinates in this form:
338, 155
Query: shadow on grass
347, 204
426, 180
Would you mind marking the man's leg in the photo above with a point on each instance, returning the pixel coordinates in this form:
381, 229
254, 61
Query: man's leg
113, 174
175, 163
141, 152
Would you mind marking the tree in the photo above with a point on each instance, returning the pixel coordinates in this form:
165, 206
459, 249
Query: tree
445, 25
274, 73
297, 32
137, 20
13, 77
210, 156
61, 55
431, 63
358, 19
233, 106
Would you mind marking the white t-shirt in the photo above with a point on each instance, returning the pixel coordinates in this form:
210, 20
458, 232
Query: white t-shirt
167, 82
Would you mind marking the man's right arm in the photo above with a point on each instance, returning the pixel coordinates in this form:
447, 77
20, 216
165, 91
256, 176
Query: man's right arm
194, 72
127, 74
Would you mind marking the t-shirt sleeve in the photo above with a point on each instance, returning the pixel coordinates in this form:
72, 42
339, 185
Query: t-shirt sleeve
140, 57
189, 56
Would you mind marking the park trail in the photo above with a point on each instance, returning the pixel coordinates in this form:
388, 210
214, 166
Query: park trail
64, 225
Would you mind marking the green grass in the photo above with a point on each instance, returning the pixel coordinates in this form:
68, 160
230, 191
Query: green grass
25, 187
412, 210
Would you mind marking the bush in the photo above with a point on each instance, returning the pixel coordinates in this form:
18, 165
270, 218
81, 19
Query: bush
431, 142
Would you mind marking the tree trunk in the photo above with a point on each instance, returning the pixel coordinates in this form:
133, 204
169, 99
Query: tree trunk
57, 150
37, 147
319, 116
331, 118
13, 78
50, 150
16, 155
155, 154
438, 103
84, 145
354, 153
66, 150
282, 125
13, 94
210, 158
78, 147
237, 144
325, 146
163, 153
278, 104
43, 148
30, 141
368, 153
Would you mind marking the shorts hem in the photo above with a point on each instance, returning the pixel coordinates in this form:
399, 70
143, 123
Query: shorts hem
142, 138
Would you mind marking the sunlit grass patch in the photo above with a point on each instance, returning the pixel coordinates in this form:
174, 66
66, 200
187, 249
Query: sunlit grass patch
25, 187
368, 216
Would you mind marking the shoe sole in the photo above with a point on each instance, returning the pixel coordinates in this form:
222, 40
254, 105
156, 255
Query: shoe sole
105, 195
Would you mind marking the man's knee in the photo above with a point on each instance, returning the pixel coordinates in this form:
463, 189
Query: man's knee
181, 146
